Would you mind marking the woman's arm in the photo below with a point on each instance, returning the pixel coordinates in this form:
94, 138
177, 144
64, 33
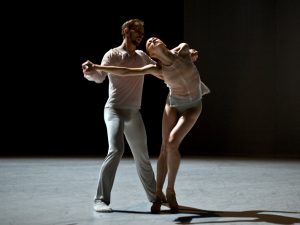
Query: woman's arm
184, 50
123, 71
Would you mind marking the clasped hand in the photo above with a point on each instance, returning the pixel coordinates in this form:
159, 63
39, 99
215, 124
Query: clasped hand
87, 66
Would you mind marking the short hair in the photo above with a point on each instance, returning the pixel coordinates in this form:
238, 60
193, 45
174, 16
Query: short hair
131, 24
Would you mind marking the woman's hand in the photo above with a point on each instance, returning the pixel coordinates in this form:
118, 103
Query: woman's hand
194, 54
87, 67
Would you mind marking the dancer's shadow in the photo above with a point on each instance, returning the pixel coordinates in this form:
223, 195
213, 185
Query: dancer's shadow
254, 216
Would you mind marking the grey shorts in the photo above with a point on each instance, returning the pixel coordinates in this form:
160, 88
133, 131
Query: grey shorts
183, 104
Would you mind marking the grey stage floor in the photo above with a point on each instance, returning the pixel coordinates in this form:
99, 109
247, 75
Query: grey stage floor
60, 191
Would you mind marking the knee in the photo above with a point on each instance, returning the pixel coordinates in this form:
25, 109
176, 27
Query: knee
115, 153
171, 145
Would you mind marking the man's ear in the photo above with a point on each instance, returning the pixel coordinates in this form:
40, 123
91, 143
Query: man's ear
126, 30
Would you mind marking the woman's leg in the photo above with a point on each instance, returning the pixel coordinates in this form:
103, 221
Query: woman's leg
173, 140
161, 169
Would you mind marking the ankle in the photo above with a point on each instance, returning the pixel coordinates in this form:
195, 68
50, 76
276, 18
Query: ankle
170, 190
159, 193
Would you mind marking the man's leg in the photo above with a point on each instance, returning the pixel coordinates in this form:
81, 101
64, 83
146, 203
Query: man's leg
137, 140
115, 126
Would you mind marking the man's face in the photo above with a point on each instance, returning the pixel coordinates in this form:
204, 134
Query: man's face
136, 35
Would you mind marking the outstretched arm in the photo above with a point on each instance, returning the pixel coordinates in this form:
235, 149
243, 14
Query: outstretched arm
123, 71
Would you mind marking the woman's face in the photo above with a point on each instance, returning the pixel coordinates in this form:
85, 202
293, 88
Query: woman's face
152, 45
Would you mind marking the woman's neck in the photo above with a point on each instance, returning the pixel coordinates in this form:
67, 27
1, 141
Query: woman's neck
167, 57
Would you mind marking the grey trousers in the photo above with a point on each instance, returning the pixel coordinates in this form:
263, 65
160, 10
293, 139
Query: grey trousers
120, 122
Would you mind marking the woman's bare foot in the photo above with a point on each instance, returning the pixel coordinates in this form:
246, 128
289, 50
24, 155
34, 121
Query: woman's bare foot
171, 199
156, 205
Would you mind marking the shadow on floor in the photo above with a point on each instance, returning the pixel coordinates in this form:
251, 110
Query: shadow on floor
254, 216
241, 216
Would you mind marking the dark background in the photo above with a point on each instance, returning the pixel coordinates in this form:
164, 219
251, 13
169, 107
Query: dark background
249, 58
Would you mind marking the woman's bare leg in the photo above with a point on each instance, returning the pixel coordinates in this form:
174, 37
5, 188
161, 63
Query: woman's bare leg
162, 169
184, 124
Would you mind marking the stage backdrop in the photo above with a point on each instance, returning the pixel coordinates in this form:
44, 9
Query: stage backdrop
249, 55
